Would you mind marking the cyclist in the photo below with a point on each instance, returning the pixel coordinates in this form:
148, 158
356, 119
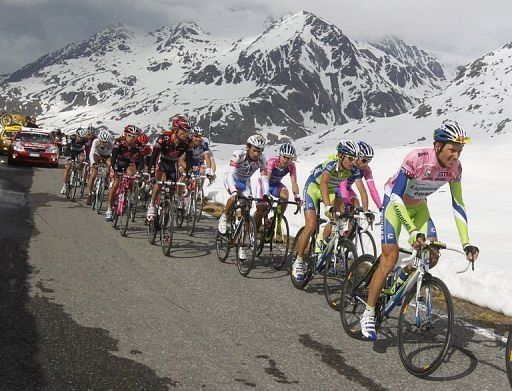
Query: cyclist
422, 173
201, 153
348, 195
101, 149
277, 168
76, 148
237, 179
322, 185
171, 157
143, 139
127, 157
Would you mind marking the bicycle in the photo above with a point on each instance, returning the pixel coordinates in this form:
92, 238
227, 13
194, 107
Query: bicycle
359, 234
99, 187
276, 232
84, 175
241, 234
123, 203
425, 321
193, 201
164, 221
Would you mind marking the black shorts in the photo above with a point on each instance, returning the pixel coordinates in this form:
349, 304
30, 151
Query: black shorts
122, 165
170, 168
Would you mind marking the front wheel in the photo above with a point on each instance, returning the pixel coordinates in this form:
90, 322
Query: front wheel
246, 246
124, 218
425, 327
190, 211
222, 245
354, 295
308, 260
508, 358
280, 242
167, 229
336, 267
366, 243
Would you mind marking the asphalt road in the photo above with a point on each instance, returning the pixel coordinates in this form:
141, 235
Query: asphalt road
83, 308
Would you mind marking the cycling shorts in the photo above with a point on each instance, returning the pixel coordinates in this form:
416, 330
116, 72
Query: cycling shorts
198, 163
170, 168
242, 186
122, 165
312, 196
391, 225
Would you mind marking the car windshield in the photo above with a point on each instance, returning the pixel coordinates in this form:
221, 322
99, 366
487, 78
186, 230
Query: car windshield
34, 138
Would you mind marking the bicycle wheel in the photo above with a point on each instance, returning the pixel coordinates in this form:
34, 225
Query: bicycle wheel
246, 246
75, 182
153, 229
222, 245
353, 301
309, 257
134, 201
336, 266
190, 211
366, 243
83, 182
179, 212
280, 242
199, 202
69, 184
100, 195
425, 327
124, 218
167, 229
508, 357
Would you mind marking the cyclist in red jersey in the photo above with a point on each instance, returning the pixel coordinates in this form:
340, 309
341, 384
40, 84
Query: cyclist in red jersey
171, 157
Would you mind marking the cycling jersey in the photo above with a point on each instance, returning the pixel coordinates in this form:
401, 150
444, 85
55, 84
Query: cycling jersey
102, 149
275, 176
241, 168
76, 146
198, 151
419, 176
348, 195
125, 154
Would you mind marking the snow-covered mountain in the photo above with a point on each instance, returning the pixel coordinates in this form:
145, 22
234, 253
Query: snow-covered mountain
299, 76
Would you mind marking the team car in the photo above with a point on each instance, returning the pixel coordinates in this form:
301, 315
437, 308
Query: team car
33, 146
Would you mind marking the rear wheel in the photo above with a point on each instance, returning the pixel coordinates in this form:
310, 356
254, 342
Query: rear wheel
353, 301
425, 327
336, 266
280, 242
308, 261
246, 246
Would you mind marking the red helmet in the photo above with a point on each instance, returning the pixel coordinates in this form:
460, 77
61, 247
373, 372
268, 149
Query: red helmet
131, 129
143, 139
180, 122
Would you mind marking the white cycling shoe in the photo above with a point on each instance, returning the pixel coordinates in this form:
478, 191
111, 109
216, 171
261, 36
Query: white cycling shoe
368, 327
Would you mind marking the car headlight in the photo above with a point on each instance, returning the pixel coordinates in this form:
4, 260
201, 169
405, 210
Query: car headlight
52, 149
18, 147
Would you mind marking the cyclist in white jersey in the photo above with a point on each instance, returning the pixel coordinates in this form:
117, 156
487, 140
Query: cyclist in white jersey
237, 179
101, 150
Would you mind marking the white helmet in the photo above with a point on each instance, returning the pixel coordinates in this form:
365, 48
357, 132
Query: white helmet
365, 150
287, 150
451, 131
104, 136
197, 130
348, 148
257, 140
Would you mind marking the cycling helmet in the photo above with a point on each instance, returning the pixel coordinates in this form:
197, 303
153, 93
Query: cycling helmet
197, 130
90, 130
131, 129
81, 132
287, 150
451, 132
365, 150
257, 140
143, 139
104, 136
348, 148
180, 122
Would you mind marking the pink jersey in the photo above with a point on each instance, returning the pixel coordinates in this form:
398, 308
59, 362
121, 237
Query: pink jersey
348, 194
277, 174
425, 174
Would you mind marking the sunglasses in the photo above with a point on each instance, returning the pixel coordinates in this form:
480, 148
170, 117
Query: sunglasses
130, 135
366, 160
196, 136
350, 158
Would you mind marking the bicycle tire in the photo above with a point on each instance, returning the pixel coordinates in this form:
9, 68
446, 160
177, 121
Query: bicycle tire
167, 229
222, 246
74, 183
152, 229
352, 303
245, 265
280, 242
83, 182
508, 357
69, 185
100, 195
443, 322
308, 257
366, 243
336, 266
134, 201
191, 210
199, 202
125, 217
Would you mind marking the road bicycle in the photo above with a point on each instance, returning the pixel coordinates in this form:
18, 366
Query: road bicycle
123, 202
425, 322
359, 233
84, 176
74, 179
241, 234
193, 200
276, 232
165, 219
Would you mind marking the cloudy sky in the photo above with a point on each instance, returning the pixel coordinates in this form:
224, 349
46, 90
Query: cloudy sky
456, 30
